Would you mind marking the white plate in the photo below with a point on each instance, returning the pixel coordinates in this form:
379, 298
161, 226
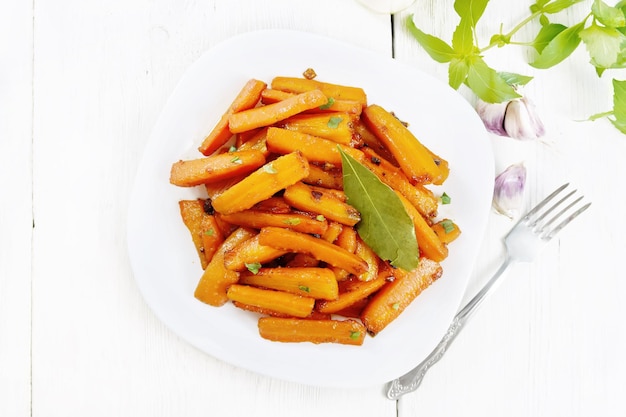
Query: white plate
165, 263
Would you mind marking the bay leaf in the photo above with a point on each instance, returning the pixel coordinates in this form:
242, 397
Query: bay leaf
385, 225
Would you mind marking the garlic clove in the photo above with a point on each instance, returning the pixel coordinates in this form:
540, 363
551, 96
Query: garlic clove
492, 115
522, 121
508, 194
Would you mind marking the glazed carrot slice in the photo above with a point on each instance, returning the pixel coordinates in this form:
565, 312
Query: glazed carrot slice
313, 148
273, 113
262, 183
429, 243
446, 230
336, 91
413, 157
290, 241
250, 252
335, 126
279, 301
270, 96
319, 283
324, 177
391, 300
247, 98
215, 168
357, 292
216, 279
258, 219
348, 332
198, 222
317, 200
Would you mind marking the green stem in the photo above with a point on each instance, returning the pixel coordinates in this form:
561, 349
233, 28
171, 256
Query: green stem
514, 30
601, 115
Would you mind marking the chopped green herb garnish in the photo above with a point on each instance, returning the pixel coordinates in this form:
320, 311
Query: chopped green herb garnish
396, 306
355, 335
447, 225
292, 221
328, 105
269, 168
232, 149
445, 199
334, 121
210, 232
253, 267
236, 160
304, 288
320, 218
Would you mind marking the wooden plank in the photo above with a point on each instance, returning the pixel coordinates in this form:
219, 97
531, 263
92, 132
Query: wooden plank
16, 222
547, 342
102, 74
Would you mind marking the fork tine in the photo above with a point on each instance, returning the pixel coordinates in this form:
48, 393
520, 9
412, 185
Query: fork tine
544, 202
565, 222
560, 213
551, 209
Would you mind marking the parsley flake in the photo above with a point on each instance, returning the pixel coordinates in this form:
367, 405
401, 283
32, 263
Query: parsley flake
445, 199
253, 267
395, 306
448, 226
292, 221
320, 218
232, 149
210, 232
236, 160
355, 335
269, 168
328, 104
334, 121
304, 288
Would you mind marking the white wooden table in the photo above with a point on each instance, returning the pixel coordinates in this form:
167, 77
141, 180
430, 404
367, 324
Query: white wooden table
81, 86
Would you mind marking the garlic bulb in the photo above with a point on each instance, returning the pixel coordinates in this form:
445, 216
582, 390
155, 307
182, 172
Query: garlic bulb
517, 119
508, 193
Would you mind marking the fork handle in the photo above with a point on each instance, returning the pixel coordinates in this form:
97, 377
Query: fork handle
410, 381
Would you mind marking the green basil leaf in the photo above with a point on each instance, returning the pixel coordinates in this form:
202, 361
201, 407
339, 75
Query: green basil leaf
512, 78
603, 44
471, 10
560, 47
487, 84
457, 72
546, 34
463, 38
435, 47
612, 17
385, 225
619, 105
558, 5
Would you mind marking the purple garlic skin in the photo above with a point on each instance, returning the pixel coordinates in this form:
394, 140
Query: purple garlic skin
508, 193
517, 119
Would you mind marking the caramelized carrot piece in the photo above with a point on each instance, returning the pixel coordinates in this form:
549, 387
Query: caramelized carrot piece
215, 168
258, 219
198, 222
313, 148
336, 126
262, 183
324, 177
413, 157
446, 230
279, 301
421, 197
429, 243
307, 198
273, 113
319, 283
270, 96
336, 91
356, 292
216, 279
290, 241
387, 304
250, 252
212, 238
247, 98
348, 332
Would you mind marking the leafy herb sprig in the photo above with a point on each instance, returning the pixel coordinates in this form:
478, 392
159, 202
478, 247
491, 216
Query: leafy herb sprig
602, 31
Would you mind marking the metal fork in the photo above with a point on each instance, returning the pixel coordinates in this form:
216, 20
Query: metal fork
522, 244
